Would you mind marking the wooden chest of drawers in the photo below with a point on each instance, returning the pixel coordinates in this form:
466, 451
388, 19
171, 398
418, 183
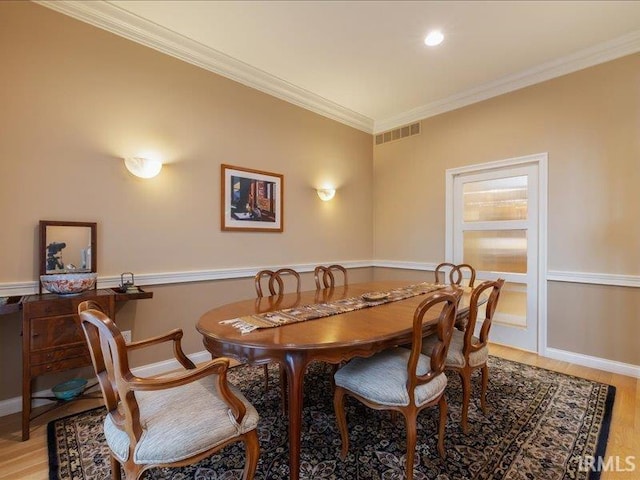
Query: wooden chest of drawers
53, 340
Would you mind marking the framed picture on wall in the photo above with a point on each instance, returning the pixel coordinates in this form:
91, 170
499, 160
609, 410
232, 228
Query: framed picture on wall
252, 200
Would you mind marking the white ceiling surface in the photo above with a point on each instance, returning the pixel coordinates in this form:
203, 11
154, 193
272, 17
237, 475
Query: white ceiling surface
365, 62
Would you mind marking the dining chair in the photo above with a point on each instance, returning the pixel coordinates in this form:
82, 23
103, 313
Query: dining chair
325, 277
456, 273
276, 285
400, 379
468, 352
166, 421
276, 282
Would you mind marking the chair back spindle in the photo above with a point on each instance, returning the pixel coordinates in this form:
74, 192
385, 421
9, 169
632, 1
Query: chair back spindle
111, 363
325, 277
456, 273
492, 303
446, 320
276, 282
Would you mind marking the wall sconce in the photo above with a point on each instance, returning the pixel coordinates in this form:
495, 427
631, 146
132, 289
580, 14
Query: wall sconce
143, 167
326, 194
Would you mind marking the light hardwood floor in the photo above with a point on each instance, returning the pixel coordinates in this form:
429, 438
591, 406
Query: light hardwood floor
28, 460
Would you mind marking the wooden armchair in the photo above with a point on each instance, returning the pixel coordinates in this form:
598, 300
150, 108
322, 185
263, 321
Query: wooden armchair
325, 278
168, 421
468, 352
402, 380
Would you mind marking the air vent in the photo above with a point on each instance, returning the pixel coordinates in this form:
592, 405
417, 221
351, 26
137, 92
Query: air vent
398, 133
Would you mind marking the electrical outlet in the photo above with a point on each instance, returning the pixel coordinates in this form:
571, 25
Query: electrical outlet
126, 334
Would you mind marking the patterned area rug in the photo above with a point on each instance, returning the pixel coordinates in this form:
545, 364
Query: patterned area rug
540, 425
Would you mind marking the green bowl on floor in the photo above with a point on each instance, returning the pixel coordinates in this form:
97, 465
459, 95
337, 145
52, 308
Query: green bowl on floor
69, 390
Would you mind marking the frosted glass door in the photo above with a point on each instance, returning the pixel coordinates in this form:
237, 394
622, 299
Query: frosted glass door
495, 230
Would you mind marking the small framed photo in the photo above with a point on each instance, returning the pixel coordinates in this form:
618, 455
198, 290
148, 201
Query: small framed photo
252, 200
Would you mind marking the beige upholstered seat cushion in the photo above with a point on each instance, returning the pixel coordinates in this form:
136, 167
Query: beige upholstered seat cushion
455, 358
383, 378
180, 422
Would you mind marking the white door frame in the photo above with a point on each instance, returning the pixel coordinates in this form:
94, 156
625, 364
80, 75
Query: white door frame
540, 161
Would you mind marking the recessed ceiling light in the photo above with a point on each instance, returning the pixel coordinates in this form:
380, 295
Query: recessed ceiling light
435, 37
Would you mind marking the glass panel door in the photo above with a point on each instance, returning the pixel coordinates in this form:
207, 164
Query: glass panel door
495, 231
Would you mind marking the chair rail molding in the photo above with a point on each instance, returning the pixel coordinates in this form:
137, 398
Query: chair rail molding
168, 278
403, 265
30, 287
612, 279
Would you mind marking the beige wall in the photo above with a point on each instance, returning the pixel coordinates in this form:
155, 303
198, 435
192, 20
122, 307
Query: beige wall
74, 100
598, 320
589, 123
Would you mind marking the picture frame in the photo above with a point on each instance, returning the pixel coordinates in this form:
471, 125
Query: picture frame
251, 200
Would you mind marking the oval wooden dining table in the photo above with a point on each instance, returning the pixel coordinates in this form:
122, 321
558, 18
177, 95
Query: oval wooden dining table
330, 339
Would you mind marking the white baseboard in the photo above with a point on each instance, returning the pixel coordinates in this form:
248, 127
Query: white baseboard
165, 366
611, 366
14, 405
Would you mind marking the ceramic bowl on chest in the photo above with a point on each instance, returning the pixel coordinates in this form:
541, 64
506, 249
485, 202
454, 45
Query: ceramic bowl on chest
69, 283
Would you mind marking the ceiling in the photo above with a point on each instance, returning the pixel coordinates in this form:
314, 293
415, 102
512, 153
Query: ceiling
364, 63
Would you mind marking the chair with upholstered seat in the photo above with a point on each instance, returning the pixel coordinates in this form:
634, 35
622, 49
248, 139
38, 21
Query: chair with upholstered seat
456, 273
167, 421
325, 277
468, 352
276, 285
400, 379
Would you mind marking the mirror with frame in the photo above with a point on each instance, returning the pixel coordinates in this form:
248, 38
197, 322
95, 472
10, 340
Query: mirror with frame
67, 247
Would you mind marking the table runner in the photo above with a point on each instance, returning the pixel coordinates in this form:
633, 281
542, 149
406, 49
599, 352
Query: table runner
287, 316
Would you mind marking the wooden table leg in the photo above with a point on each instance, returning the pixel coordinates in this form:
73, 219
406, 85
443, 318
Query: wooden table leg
283, 389
26, 408
295, 364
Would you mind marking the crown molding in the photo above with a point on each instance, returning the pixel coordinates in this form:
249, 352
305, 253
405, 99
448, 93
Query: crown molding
604, 52
116, 20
